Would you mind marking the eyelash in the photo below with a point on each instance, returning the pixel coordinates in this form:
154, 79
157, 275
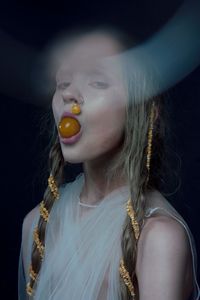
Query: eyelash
97, 84
62, 85
100, 84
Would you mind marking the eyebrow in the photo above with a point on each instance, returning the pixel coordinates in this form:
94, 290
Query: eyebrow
103, 69
100, 69
96, 70
63, 72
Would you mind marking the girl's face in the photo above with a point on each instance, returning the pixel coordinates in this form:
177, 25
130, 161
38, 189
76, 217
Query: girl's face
85, 74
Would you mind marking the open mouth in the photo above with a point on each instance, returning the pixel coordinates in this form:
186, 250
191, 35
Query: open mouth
69, 129
71, 140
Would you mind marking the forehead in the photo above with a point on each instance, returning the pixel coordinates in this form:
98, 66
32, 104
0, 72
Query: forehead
92, 46
89, 52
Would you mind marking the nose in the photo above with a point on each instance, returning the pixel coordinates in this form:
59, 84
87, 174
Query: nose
71, 97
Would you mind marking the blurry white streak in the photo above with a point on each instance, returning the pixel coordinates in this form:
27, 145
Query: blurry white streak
154, 66
168, 56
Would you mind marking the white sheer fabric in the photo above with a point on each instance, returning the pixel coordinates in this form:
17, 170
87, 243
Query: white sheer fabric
83, 246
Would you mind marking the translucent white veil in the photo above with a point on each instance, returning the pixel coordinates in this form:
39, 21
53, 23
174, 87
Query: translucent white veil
83, 247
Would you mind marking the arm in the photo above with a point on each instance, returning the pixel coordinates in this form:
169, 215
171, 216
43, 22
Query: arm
163, 254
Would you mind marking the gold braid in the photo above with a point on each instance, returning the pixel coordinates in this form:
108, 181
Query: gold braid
123, 272
32, 274
53, 187
122, 269
45, 214
126, 278
39, 245
134, 222
150, 138
29, 289
44, 211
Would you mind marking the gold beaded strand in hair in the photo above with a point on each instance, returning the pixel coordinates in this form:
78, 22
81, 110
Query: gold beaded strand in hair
150, 138
126, 278
122, 269
39, 245
32, 274
44, 211
45, 214
53, 187
134, 222
29, 289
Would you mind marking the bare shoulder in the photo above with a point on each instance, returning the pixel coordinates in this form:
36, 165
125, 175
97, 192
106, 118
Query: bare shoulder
165, 230
164, 249
160, 229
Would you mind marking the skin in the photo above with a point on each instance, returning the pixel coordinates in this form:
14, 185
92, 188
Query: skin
103, 113
164, 261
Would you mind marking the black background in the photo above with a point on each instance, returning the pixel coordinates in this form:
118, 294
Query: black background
34, 23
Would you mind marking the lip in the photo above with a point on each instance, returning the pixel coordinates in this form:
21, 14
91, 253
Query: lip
68, 114
74, 138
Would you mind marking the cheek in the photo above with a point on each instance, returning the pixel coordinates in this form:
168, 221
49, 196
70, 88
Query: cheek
55, 108
107, 113
106, 124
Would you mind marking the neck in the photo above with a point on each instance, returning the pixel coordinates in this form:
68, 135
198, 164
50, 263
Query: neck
96, 186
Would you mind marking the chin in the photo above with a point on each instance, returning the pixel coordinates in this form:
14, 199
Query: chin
74, 154
72, 160
77, 159
82, 155
73, 157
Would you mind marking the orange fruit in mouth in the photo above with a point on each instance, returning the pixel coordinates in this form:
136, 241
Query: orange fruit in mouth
68, 127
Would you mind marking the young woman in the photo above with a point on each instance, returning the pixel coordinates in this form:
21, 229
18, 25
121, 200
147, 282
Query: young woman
109, 234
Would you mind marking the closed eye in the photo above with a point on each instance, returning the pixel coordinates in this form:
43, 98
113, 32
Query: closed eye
100, 84
62, 85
